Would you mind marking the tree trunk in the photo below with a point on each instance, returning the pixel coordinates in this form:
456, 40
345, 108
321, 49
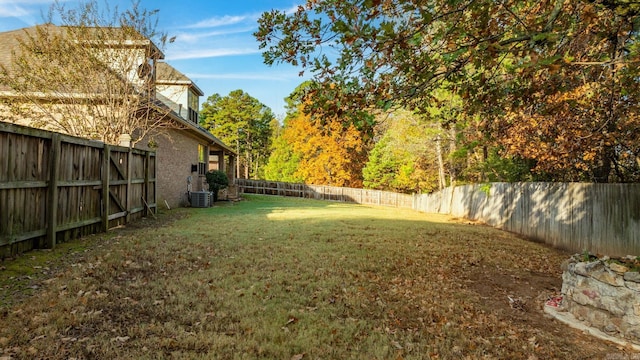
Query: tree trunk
452, 149
601, 173
441, 176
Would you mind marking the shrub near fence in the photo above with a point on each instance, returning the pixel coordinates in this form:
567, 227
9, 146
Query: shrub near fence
55, 187
601, 218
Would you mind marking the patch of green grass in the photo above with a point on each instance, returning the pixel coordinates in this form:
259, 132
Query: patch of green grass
20, 276
279, 278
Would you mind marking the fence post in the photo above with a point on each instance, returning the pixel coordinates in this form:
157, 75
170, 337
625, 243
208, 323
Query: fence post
52, 205
106, 174
129, 192
145, 193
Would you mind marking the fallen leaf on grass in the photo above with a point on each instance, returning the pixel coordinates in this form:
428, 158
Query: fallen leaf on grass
297, 357
4, 341
120, 339
40, 337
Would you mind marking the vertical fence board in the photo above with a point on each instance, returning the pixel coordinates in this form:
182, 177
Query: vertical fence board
52, 201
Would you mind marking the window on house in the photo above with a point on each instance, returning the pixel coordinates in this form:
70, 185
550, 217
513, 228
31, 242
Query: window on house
193, 107
202, 158
193, 115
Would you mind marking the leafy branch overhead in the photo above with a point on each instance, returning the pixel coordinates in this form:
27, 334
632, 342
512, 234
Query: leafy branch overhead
516, 64
402, 48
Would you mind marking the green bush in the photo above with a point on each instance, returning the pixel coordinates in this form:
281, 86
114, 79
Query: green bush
217, 181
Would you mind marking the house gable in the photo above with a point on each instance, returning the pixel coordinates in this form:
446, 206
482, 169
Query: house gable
181, 93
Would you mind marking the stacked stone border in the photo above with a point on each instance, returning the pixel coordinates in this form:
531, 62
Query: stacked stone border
601, 297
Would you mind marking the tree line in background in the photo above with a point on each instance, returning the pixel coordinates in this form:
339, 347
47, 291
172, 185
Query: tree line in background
411, 97
243, 123
404, 152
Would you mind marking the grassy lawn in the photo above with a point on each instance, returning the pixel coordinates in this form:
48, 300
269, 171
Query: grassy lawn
280, 278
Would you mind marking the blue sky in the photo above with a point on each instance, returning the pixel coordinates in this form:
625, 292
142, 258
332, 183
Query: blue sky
214, 44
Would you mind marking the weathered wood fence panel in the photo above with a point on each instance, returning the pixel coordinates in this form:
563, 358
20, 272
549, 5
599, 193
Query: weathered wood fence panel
55, 187
324, 192
601, 218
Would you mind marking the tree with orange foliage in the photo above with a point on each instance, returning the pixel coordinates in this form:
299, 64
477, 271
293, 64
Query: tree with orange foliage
331, 153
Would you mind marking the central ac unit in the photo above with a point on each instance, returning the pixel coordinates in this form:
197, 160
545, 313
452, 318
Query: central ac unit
200, 199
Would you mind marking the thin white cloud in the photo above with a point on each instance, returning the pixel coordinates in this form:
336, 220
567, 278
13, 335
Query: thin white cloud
220, 21
292, 9
210, 53
226, 20
18, 9
194, 37
13, 10
25, 2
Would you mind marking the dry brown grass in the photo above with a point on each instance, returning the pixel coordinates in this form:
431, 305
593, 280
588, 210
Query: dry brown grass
279, 278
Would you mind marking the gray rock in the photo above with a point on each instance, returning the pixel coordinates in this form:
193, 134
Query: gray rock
611, 329
603, 296
586, 268
612, 305
607, 276
633, 334
632, 320
633, 286
618, 268
632, 276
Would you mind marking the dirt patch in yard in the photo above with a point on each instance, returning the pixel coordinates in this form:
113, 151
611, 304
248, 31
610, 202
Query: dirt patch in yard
518, 298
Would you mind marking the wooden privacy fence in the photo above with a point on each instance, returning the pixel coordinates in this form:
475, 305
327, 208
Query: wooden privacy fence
54, 187
323, 192
601, 218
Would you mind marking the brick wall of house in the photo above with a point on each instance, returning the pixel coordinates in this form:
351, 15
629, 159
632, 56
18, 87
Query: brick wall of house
175, 153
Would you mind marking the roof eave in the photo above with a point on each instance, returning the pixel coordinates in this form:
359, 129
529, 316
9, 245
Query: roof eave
200, 131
